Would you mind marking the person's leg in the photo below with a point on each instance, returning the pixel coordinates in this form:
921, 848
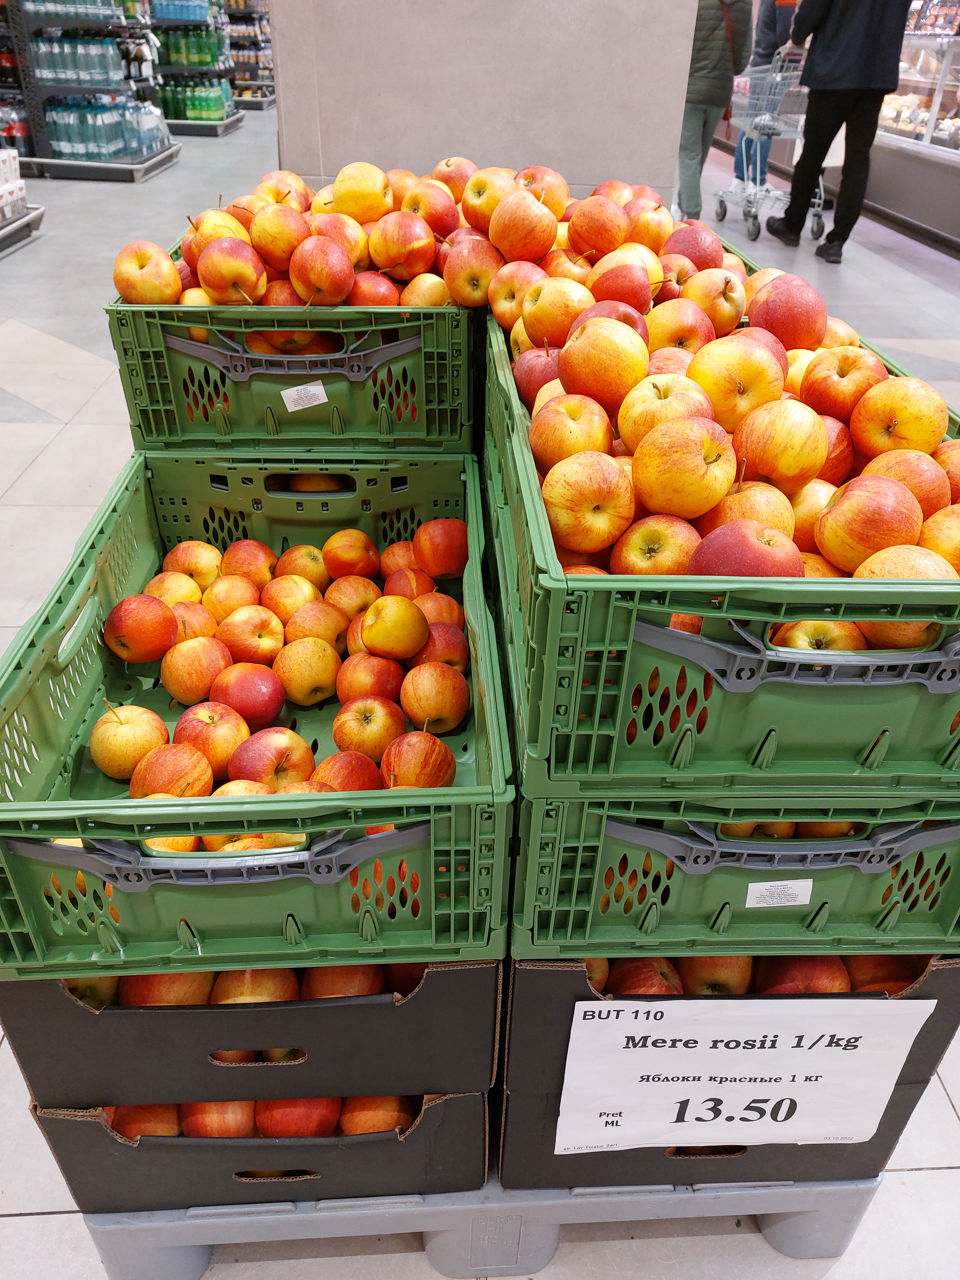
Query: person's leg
826, 109
861, 120
763, 151
688, 194
741, 156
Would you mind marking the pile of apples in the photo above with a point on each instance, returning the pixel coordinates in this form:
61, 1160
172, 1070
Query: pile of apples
238, 634
768, 976
272, 1118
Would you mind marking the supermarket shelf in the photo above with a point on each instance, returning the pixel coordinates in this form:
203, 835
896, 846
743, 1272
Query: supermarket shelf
179, 22
194, 69
206, 128
14, 233
121, 25
255, 104
490, 1232
75, 89
99, 170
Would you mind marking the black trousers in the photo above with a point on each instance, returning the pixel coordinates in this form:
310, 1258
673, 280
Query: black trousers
827, 110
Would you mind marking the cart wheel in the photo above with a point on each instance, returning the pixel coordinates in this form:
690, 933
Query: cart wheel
816, 226
721, 210
753, 228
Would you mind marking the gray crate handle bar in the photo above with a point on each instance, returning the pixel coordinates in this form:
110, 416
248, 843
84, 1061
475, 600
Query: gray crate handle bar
703, 850
127, 867
744, 668
240, 366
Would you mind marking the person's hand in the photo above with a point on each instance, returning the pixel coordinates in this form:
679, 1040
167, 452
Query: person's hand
790, 50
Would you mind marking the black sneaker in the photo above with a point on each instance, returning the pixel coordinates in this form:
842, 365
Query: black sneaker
778, 227
830, 251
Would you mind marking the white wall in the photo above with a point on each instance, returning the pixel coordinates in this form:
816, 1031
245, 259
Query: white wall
593, 88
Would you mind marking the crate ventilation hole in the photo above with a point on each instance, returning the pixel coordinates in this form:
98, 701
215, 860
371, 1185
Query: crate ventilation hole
917, 886
223, 527
66, 688
626, 888
203, 392
659, 710
79, 906
17, 755
391, 892
398, 395
397, 526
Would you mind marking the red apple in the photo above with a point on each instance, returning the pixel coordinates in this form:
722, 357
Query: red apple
232, 272
297, 1117
352, 595
438, 607
216, 730
836, 378
320, 619
782, 442
923, 476
150, 1120
375, 1115
679, 322
792, 310
272, 756
275, 231
715, 975
550, 307
469, 268
677, 269
249, 559
347, 232
947, 455
613, 310
522, 227
589, 501
865, 515
482, 192
348, 771
250, 634
533, 369
654, 544
644, 976
364, 674
766, 339
697, 242
627, 282
254, 691
657, 398
145, 274
839, 461
418, 759
373, 289
889, 973
597, 224
231, 592
800, 975
217, 1119
604, 359
746, 549
720, 296
350, 552
321, 271
899, 413
408, 582
454, 171
683, 467
398, 555
669, 360
440, 547
140, 628
402, 244
308, 669
566, 425
547, 185
176, 769
446, 643
189, 668
368, 725
435, 696
337, 981
508, 288
165, 988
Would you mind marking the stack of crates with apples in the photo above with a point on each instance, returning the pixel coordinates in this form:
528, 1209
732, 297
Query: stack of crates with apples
385, 894
705, 812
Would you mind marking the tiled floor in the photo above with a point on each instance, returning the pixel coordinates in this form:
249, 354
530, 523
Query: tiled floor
63, 439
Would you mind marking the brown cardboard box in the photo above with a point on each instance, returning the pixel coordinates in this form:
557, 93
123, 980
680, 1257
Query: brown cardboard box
542, 999
442, 1038
444, 1150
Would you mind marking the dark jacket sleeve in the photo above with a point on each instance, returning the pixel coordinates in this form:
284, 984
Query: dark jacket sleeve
810, 14
765, 36
741, 20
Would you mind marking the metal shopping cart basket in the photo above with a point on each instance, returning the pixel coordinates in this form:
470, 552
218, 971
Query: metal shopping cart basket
767, 103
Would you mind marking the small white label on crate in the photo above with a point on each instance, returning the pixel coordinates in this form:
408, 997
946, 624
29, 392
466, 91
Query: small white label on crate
655, 1072
779, 893
306, 396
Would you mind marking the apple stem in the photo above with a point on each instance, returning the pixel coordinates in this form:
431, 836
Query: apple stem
247, 296
743, 468
112, 708
283, 761
220, 200
191, 221
310, 299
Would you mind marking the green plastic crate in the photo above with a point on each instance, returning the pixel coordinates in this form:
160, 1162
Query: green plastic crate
607, 878
402, 378
606, 696
434, 889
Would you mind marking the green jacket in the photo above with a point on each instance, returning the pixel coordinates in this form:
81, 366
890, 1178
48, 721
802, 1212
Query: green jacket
713, 63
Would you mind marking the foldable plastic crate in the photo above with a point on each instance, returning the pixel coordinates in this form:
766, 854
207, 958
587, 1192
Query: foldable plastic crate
606, 695
433, 888
622, 877
398, 378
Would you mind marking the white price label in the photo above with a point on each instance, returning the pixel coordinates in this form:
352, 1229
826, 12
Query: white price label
779, 893
731, 1072
304, 397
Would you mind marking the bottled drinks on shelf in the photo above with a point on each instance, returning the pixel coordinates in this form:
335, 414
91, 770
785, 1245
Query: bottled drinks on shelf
76, 60
192, 46
105, 129
60, 11
196, 99
180, 10
14, 128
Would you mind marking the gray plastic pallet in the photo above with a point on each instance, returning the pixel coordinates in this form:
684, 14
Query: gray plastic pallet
100, 171
18, 229
206, 128
490, 1232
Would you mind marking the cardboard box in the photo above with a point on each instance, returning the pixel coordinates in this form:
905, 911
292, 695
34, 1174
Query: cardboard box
542, 999
444, 1150
442, 1038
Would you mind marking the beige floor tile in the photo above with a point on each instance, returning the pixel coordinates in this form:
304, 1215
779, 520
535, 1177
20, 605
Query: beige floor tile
22, 342
931, 1139
23, 442
58, 389
400, 1257
77, 468
39, 1248
106, 405
30, 1181
949, 1072
44, 538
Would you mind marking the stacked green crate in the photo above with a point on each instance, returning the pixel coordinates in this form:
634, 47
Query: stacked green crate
636, 742
221, 431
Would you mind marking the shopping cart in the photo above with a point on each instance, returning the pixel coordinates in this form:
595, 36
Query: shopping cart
768, 103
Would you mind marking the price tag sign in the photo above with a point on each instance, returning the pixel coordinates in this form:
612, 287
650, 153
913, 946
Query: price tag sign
307, 396
731, 1072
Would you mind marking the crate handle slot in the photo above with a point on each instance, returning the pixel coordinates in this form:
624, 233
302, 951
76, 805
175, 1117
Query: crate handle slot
744, 668
702, 851
72, 642
240, 366
327, 861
